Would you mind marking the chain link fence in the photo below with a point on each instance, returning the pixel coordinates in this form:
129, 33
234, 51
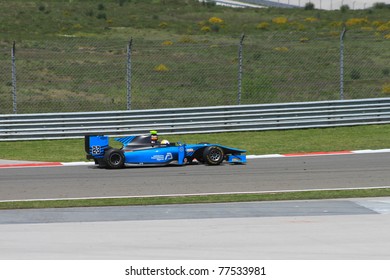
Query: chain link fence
68, 75
81, 74
314, 69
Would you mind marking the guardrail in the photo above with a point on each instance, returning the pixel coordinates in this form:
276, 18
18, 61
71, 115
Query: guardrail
270, 3
196, 120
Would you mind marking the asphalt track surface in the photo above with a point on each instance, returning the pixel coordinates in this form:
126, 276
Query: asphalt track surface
302, 230
259, 175
307, 230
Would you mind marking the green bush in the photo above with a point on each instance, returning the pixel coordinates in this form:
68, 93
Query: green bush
344, 8
381, 5
355, 74
89, 13
121, 2
215, 28
41, 8
309, 6
101, 16
101, 7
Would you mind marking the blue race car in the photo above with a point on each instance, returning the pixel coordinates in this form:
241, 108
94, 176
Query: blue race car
147, 150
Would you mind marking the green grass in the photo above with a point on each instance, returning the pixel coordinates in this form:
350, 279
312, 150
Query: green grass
265, 142
31, 19
220, 198
64, 49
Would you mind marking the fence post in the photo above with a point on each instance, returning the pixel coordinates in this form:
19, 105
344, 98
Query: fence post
128, 80
14, 101
240, 70
342, 64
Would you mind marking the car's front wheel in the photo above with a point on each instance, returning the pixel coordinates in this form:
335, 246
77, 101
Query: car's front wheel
114, 159
213, 155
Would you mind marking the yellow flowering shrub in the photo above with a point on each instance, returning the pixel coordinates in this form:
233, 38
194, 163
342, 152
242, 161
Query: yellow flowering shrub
384, 27
280, 20
311, 19
262, 25
202, 23
300, 26
377, 23
336, 24
387, 36
163, 24
215, 20
356, 21
187, 40
386, 88
281, 49
161, 68
206, 29
304, 40
167, 43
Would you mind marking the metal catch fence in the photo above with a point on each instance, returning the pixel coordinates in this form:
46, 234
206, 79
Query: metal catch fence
75, 74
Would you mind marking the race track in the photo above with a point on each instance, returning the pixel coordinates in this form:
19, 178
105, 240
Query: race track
267, 174
338, 229
341, 229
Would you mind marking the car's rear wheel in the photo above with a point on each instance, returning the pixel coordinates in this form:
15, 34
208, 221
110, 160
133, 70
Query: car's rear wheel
114, 159
213, 155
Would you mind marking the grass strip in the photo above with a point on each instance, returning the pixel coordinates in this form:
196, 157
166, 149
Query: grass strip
192, 199
256, 143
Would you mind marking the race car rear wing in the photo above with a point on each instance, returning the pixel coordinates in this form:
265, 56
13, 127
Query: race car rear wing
95, 145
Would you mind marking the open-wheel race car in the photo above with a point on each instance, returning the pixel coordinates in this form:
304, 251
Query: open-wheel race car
147, 150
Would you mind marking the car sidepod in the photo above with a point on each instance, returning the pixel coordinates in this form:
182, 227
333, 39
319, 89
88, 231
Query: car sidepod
156, 155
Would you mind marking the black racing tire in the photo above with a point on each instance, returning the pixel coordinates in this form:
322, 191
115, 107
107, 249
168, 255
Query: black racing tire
114, 159
213, 155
